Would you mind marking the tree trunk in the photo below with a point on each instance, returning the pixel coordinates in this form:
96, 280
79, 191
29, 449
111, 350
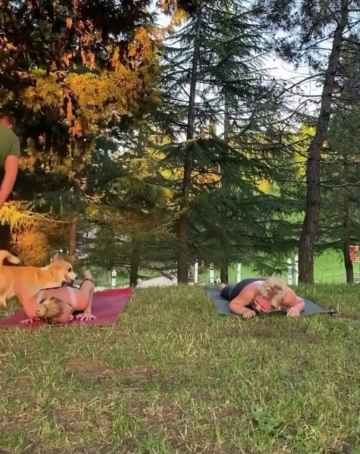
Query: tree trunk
313, 196
73, 237
182, 230
224, 270
347, 229
134, 264
347, 261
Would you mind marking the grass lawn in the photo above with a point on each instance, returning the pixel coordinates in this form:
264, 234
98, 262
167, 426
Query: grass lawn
174, 377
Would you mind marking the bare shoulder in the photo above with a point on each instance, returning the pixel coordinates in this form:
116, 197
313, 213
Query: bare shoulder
246, 296
290, 298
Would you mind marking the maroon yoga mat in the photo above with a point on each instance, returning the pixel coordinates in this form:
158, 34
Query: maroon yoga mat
106, 307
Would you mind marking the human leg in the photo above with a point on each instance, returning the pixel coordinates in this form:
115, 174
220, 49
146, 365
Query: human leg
226, 291
87, 288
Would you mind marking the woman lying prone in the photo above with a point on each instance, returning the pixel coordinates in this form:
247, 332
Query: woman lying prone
254, 295
57, 305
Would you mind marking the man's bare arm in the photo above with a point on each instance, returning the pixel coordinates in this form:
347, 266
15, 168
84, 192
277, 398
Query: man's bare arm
11, 171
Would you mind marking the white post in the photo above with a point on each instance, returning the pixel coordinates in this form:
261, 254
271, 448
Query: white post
289, 271
113, 278
196, 272
296, 269
238, 272
212, 273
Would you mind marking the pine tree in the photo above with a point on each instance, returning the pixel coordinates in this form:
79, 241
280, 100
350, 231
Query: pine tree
308, 24
213, 57
340, 181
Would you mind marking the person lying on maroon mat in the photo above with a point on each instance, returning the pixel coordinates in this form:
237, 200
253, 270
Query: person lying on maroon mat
57, 305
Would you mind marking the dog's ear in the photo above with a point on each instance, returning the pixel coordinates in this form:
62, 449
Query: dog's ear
56, 257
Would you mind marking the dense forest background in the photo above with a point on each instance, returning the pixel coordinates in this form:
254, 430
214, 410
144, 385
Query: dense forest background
155, 135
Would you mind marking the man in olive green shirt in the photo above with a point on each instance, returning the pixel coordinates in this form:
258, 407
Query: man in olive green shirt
9, 156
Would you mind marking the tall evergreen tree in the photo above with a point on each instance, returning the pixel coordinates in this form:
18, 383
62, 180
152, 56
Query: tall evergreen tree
340, 180
215, 57
307, 24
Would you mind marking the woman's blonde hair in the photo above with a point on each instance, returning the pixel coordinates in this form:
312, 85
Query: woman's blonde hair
50, 309
274, 290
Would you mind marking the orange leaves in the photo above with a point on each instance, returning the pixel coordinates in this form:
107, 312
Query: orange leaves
77, 129
33, 246
69, 109
115, 58
168, 6
88, 58
87, 100
93, 68
206, 178
155, 99
132, 49
143, 38
164, 5
68, 22
45, 89
6, 45
66, 58
142, 49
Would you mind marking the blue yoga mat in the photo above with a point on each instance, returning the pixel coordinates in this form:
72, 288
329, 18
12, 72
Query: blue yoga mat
222, 305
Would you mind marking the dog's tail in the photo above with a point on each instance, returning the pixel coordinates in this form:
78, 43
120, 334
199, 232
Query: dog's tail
9, 257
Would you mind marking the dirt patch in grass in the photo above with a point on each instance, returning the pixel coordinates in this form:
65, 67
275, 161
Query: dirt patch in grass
98, 370
167, 419
346, 319
269, 332
39, 448
129, 379
137, 372
14, 423
263, 331
69, 419
89, 370
202, 395
20, 389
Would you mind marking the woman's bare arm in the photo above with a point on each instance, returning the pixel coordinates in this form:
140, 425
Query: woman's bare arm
27, 301
238, 304
293, 304
88, 290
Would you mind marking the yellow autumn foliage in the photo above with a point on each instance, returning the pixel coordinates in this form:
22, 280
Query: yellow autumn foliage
300, 143
178, 18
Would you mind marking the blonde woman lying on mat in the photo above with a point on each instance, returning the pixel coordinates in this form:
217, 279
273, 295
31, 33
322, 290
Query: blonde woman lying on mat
251, 296
57, 305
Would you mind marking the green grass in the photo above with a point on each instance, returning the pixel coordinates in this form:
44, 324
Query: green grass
174, 377
329, 268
